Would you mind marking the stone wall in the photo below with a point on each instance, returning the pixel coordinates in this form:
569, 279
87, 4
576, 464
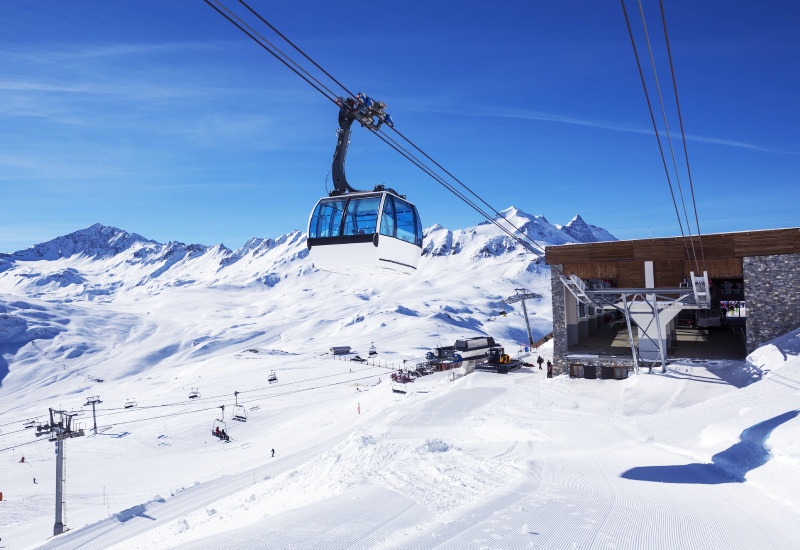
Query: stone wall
559, 321
772, 296
599, 361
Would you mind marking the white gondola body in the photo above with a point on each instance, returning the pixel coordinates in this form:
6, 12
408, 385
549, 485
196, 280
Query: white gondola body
364, 233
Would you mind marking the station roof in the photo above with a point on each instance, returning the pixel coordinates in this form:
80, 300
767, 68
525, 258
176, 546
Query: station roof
715, 246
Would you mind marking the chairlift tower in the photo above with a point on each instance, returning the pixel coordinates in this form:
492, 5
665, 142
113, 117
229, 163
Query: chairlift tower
94, 400
59, 432
520, 296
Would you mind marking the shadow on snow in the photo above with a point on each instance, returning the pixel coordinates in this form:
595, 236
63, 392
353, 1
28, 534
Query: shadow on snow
729, 466
137, 511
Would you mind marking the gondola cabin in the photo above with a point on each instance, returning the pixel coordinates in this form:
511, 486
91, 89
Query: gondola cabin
365, 232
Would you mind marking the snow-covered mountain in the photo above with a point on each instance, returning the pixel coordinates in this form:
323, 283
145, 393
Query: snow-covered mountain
582, 232
489, 239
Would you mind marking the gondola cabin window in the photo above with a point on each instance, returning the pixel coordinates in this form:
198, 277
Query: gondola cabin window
408, 225
327, 219
388, 217
362, 216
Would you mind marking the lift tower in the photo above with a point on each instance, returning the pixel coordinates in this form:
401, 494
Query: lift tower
93, 401
520, 296
59, 432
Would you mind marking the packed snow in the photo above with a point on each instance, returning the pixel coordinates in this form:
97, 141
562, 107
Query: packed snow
704, 456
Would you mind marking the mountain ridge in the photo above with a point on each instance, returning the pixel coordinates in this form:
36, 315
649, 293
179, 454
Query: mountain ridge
119, 259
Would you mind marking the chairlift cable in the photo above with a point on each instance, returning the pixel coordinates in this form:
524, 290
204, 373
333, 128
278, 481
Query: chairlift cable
121, 410
669, 136
14, 432
217, 406
205, 409
22, 444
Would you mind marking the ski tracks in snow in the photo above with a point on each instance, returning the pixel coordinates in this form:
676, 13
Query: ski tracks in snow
123, 527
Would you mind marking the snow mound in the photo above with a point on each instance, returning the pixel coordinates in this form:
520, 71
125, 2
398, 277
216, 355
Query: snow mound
776, 353
435, 475
434, 446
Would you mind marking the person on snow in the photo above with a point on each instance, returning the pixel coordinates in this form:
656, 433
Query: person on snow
549, 369
540, 361
273, 453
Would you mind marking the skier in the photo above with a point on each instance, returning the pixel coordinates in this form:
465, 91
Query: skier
540, 361
273, 453
34, 481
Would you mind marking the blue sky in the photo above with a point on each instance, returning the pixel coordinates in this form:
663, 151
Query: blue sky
161, 118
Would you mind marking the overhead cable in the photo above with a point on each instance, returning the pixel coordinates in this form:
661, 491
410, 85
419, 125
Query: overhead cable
683, 133
655, 126
522, 238
669, 136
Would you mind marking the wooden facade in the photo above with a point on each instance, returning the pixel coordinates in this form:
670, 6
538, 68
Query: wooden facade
672, 257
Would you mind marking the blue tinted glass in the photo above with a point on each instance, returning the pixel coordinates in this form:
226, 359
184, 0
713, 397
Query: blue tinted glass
327, 219
407, 221
387, 218
361, 217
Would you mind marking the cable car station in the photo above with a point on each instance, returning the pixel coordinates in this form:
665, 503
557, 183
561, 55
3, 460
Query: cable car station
626, 304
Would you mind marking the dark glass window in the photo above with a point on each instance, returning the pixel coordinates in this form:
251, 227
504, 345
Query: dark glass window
361, 217
327, 219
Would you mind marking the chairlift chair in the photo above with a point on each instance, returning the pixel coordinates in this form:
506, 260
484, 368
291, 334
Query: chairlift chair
272, 377
194, 394
130, 403
218, 428
29, 424
372, 349
239, 412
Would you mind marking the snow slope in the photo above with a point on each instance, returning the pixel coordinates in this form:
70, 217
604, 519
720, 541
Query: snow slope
696, 458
